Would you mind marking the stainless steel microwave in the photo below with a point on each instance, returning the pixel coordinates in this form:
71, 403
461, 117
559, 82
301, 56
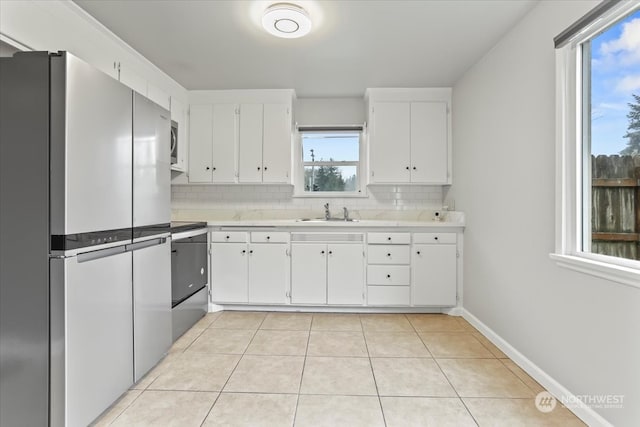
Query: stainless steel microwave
174, 142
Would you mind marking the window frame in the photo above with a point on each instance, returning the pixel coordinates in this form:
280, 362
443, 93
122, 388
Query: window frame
360, 165
572, 163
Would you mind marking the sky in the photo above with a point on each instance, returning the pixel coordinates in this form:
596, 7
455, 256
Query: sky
615, 76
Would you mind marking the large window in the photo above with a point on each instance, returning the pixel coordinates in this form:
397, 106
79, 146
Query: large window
599, 143
330, 161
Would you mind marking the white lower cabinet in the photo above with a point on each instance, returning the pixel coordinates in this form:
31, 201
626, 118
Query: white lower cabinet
229, 273
402, 269
308, 273
256, 273
268, 273
433, 269
327, 273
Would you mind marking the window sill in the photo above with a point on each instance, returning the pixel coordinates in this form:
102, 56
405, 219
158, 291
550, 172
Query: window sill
624, 275
329, 195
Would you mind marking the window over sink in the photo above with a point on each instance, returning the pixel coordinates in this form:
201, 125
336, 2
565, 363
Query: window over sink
329, 162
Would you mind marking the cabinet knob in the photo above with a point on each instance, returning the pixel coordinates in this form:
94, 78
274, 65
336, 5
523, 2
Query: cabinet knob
208, 168
435, 238
388, 276
244, 251
330, 252
388, 254
251, 251
265, 168
228, 237
258, 167
418, 252
322, 252
389, 238
268, 237
407, 167
214, 168
414, 168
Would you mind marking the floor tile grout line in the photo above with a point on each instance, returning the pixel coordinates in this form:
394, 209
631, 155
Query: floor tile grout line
375, 382
304, 365
457, 393
124, 409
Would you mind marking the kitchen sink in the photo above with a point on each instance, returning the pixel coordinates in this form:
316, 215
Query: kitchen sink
326, 220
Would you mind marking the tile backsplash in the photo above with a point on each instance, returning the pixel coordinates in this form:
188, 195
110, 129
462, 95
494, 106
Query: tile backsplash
274, 197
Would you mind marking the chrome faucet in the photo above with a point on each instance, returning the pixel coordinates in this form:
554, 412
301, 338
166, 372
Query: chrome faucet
327, 213
345, 213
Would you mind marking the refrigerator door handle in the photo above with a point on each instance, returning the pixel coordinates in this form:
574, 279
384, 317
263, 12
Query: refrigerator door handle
103, 253
147, 243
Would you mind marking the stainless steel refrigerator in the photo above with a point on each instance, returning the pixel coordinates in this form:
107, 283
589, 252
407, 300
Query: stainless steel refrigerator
82, 261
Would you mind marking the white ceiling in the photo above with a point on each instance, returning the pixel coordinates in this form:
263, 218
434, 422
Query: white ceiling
354, 44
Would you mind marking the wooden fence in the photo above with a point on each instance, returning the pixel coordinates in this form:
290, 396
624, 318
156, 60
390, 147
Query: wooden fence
615, 206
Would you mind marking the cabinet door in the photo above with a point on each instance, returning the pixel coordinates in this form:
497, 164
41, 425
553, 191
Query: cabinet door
276, 151
434, 275
345, 274
390, 143
268, 265
250, 140
200, 143
132, 79
429, 142
229, 272
308, 273
225, 137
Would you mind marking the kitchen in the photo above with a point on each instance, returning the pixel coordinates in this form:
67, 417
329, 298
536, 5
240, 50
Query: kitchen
540, 315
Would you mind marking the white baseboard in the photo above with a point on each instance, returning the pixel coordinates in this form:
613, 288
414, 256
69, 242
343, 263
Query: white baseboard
329, 309
582, 411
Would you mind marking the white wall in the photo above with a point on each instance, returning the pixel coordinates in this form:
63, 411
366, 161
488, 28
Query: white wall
582, 331
330, 111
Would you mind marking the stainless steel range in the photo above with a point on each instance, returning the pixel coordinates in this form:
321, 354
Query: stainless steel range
189, 274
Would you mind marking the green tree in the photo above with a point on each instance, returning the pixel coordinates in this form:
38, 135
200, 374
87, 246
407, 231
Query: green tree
329, 178
633, 130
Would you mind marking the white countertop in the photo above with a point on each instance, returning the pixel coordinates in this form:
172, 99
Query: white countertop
364, 219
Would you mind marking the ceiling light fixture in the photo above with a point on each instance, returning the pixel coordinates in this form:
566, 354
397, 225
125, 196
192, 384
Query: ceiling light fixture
286, 20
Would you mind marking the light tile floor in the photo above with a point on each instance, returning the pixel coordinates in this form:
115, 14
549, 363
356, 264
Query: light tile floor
300, 369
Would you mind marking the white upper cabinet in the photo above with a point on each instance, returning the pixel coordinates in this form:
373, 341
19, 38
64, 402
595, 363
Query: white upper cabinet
158, 96
250, 159
254, 147
429, 142
390, 142
225, 134
200, 143
276, 144
134, 80
410, 138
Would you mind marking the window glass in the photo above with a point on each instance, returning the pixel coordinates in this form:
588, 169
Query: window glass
611, 140
330, 161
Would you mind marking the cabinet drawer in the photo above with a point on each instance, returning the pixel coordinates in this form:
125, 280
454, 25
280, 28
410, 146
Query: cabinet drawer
388, 254
395, 275
388, 295
229, 236
269, 237
389, 238
434, 238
